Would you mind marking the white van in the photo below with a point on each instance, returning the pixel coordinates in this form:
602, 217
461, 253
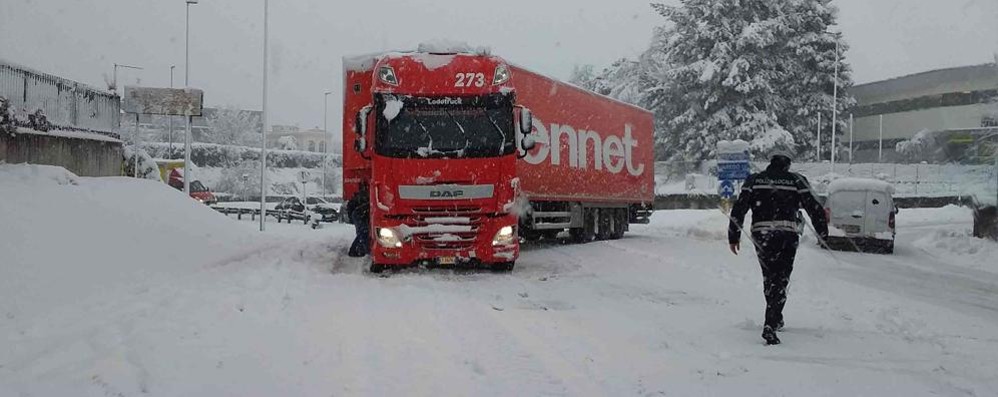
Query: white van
861, 215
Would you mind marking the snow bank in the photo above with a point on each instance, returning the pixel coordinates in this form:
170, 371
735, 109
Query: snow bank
15, 176
67, 239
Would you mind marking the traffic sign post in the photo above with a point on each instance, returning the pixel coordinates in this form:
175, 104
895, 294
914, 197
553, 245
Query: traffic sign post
303, 177
733, 167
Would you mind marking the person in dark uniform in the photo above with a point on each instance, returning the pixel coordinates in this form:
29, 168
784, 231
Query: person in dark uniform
359, 210
775, 197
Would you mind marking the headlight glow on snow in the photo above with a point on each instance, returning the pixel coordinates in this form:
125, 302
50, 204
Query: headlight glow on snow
501, 76
388, 238
503, 237
387, 75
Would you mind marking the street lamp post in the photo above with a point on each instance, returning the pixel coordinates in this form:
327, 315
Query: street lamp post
325, 132
835, 100
263, 142
170, 118
187, 84
114, 80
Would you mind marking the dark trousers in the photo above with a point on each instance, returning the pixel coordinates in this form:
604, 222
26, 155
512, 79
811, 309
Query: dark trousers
776, 251
362, 243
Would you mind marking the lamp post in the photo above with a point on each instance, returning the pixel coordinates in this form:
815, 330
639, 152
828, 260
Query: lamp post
187, 84
114, 80
325, 132
835, 100
170, 118
263, 142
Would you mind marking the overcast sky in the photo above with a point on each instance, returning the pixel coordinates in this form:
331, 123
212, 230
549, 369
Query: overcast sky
81, 39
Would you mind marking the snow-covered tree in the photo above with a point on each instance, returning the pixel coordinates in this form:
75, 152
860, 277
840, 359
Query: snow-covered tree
231, 126
241, 179
757, 70
287, 142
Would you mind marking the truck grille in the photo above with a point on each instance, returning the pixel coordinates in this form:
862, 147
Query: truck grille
423, 216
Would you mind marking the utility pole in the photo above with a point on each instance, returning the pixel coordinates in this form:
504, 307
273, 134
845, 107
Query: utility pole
880, 154
263, 142
835, 100
850, 137
187, 84
325, 137
170, 118
819, 137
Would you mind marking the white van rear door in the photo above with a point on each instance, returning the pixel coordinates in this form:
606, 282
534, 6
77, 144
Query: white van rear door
878, 212
848, 211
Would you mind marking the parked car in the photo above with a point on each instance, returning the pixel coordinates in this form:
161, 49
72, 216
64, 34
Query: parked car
329, 212
861, 215
292, 208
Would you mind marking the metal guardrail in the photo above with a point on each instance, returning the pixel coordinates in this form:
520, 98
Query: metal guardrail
66, 104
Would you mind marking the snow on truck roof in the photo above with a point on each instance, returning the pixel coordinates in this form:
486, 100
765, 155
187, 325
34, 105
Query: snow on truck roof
426, 52
860, 184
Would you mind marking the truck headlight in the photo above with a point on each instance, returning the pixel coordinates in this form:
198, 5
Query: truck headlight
387, 75
501, 76
504, 236
389, 238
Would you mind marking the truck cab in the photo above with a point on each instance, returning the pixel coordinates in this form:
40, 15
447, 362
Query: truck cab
435, 138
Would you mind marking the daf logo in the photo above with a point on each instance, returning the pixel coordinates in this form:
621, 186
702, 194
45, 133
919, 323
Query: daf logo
446, 193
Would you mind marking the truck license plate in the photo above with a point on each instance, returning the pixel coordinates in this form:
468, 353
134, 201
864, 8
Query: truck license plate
447, 260
850, 229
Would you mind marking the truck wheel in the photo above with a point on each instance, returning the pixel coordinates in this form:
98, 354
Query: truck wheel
604, 224
376, 268
530, 235
619, 223
503, 267
551, 234
587, 232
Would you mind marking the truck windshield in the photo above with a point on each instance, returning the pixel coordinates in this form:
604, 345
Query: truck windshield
428, 131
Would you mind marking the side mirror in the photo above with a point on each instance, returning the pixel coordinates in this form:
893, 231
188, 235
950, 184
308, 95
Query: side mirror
360, 124
526, 121
528, 143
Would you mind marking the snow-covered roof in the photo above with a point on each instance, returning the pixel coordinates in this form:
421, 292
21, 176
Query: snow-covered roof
860, 184
70, 134
433, 54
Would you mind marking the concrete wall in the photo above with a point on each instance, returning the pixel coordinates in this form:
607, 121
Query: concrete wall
82, 156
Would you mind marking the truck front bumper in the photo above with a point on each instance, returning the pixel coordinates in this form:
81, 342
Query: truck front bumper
457, 243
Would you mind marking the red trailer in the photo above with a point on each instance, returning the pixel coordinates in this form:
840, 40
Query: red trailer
464, 154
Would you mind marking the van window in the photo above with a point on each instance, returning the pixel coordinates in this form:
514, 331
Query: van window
845, 203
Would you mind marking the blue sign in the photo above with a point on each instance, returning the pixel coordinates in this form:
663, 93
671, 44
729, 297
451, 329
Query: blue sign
733, 170
727, 189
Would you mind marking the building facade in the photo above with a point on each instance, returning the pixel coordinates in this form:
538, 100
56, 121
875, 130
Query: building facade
293, 138
955, 105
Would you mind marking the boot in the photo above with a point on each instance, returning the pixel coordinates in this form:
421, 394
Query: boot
770, 336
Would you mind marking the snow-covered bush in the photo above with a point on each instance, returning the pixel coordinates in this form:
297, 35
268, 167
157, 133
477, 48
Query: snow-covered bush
147, 168
6, 118
215, 155
917, 147
287, 142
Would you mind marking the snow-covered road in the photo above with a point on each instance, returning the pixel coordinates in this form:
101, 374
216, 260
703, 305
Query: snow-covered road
665, 311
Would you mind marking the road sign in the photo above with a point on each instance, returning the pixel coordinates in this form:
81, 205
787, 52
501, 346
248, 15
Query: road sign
303, 176
163, 101
733, 160
727, 189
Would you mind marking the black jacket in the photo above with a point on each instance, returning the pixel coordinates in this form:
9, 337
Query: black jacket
775, 196
359, 208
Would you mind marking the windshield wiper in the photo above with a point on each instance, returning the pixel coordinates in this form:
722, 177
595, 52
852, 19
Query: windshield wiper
502, 144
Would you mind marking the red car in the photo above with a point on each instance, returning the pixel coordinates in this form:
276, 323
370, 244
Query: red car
199, 191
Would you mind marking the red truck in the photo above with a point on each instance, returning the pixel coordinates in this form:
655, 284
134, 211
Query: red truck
464, 154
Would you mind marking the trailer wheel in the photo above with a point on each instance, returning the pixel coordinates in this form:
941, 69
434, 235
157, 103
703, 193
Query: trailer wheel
587, 232
604, 224
619, 223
